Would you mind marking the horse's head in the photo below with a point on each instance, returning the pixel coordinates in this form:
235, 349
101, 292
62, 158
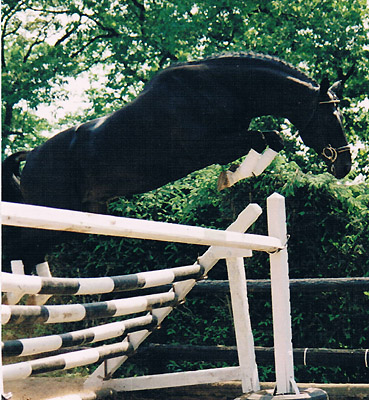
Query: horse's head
325, 134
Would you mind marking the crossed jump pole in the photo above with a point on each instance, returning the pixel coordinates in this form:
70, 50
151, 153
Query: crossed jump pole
232, 244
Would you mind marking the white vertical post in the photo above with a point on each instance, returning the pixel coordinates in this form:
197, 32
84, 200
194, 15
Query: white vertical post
40, 299
242, 324
17, 267
283, 352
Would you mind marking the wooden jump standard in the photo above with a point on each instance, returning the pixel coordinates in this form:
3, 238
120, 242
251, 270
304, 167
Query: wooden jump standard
230, 244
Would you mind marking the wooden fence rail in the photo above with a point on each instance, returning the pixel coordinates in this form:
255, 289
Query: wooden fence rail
264, 355
296, 285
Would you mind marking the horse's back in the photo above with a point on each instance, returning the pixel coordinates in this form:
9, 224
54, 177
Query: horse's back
50, 175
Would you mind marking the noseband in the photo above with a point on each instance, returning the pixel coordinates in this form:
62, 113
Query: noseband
331, 153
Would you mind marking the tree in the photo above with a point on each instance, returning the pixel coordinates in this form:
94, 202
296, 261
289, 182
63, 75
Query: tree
45, 42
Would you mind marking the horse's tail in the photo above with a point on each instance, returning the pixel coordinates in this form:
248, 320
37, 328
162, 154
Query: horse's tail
10, 174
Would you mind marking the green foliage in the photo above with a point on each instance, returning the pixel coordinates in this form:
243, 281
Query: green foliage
28, 137
45, 43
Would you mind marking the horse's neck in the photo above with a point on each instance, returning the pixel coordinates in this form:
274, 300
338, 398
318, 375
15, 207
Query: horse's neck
247, 91
287, 97
266, 87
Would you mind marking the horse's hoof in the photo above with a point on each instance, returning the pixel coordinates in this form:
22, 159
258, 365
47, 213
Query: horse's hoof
31, 301
223, 181
4, 300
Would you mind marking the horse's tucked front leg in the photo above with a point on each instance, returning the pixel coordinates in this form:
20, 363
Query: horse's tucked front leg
255, 162
274, 142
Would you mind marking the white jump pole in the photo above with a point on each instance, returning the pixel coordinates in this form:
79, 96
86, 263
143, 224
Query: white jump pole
242, 324
75, 221
283, 352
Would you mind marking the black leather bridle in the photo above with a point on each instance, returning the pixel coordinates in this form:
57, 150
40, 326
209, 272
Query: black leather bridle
329, 152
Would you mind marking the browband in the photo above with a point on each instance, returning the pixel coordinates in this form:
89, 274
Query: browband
329, 101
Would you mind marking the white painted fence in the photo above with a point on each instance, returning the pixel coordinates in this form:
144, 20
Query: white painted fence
231, 244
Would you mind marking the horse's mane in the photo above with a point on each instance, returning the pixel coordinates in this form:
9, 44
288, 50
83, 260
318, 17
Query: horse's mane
257, 58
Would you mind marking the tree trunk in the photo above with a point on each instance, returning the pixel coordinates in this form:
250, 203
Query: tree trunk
6, 131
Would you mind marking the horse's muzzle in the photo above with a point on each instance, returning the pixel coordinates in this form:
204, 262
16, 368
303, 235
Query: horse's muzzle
339, 160
340, 171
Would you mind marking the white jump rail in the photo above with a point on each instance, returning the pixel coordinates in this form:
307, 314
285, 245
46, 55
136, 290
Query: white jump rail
75, 221
230, 244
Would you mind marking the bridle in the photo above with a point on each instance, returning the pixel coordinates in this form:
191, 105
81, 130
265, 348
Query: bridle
330, 101
330, 152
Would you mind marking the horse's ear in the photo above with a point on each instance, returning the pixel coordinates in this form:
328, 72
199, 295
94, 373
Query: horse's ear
324, 86
336, 87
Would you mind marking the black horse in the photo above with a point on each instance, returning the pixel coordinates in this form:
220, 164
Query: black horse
189, 116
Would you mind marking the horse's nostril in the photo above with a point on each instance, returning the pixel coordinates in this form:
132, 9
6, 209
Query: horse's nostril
340, 171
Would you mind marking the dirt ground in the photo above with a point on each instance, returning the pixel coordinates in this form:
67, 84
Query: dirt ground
41, 388
46, 388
